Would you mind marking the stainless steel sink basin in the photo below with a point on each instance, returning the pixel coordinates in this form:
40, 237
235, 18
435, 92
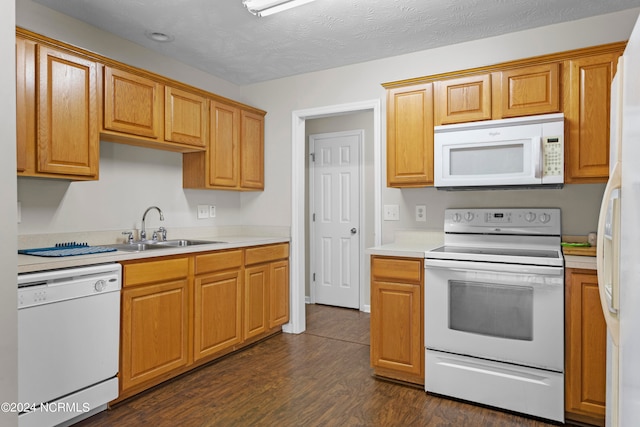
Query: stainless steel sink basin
133, 247
152, 245
185, 242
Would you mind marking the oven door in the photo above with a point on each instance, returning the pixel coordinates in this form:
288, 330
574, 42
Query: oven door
505, 312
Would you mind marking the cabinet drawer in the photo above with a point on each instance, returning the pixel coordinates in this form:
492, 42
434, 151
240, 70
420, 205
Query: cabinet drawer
218, 261
155, 271
266, 253
407, 270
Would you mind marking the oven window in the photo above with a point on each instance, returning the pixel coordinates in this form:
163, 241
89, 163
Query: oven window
501, 311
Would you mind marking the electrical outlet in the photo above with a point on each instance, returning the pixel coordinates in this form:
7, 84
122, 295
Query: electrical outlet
391, 213
19, 212
212, 211
421, 213
203, 211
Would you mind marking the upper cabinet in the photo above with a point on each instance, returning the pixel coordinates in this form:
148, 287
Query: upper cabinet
526, 91
520, 91
576, 83
464, 99
185, 117
587, 87
132, 104
234, 159
69, 99
251, 150
57, 113
410, 136
25, 105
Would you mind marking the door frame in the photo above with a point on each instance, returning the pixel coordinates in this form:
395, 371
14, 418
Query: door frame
297, 323
361, 219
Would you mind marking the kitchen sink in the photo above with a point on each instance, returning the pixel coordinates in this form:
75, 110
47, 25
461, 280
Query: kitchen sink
184, 242
133, 247
152, 245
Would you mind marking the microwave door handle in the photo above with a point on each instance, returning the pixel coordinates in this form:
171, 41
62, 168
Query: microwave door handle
537, 152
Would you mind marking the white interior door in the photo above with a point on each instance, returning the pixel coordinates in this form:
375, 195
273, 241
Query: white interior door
335, 218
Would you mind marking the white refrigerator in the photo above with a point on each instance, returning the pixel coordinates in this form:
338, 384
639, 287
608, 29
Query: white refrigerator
618, 248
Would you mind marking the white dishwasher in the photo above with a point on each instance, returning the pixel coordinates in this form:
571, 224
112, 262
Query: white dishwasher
68, 339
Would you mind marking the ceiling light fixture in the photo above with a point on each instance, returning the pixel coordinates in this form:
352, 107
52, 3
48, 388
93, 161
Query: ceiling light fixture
157, 36
269, 7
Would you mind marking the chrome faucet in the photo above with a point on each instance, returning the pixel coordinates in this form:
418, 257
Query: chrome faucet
143, 232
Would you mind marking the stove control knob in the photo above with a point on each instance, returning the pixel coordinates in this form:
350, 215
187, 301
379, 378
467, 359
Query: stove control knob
544, 218
530, 217
100, 285
456, 217
468, 216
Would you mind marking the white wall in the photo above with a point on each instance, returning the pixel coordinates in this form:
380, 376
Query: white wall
363, 82
131, 179
8, 245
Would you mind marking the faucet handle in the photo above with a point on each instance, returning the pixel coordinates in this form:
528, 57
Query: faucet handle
130, 234
163, 231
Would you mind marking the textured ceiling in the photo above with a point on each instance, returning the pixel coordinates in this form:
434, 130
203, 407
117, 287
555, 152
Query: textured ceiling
222, 38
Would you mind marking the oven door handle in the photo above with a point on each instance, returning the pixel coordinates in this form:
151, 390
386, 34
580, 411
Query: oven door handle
494, 267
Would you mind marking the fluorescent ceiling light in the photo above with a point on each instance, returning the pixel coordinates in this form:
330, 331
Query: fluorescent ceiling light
269, 7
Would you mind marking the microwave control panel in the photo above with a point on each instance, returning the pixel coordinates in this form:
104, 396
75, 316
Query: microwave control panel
553, 156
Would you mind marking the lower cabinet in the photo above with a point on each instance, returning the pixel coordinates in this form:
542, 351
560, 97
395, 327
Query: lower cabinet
585, 332
179, 312
397, 318
266, 288
217, 306
155, 321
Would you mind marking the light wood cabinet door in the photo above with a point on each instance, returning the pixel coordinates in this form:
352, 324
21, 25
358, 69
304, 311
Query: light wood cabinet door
185, 117
585, 348
132, 104
154, 338
217, 312
278, 293
224, 157
67, 119
397, 342
587, 92
463, 99
529, 90
256, 287
25, 105
251, 151
410, 136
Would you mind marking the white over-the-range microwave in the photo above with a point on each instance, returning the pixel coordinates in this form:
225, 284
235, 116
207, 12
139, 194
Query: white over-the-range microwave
509, 153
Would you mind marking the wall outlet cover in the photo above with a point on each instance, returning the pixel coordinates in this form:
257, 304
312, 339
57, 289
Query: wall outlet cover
203, 211
421, 213
212, 211
391, 213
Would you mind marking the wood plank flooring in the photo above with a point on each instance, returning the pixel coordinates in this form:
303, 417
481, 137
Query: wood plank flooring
319, 378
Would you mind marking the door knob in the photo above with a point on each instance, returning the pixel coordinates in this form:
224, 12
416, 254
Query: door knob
353, 230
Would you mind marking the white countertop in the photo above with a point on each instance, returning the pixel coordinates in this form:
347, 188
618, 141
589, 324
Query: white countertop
575, 261
412, 244
29, 263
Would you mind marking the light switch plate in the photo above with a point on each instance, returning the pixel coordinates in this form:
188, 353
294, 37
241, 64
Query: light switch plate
391, 213
203, 211
212, 211
421, 213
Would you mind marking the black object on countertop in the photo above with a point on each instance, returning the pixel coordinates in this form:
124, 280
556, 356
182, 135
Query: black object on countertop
66, 249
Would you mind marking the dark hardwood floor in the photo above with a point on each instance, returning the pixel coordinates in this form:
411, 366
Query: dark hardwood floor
319, 378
